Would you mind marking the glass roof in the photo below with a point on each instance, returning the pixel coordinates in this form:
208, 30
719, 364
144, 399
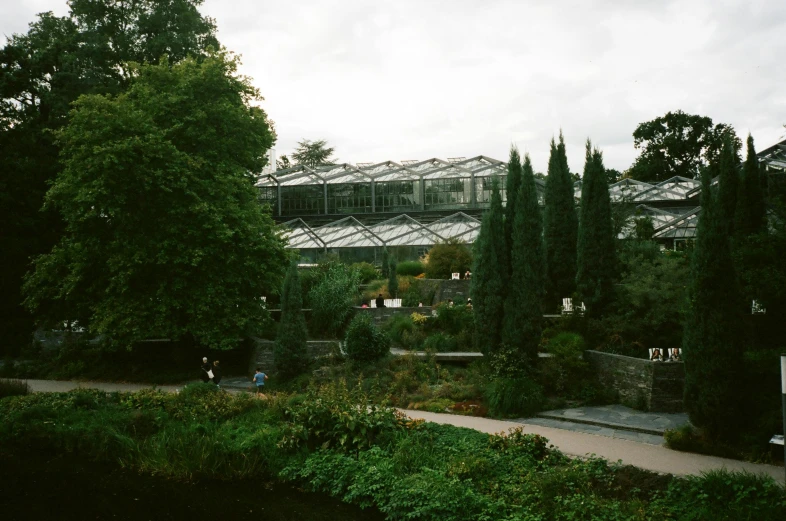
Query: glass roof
683, 227
774, 157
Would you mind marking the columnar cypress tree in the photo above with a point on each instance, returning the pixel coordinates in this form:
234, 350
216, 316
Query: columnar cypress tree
291, 350
512, 184
489, 275
750, 216
393, 279
560, 227
595, 253
728, 184
712, 348
385, 262
523, 313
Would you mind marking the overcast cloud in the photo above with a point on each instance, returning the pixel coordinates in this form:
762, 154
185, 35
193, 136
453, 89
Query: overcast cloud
417, 79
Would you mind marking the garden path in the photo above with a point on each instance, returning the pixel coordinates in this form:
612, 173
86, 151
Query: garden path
643, 455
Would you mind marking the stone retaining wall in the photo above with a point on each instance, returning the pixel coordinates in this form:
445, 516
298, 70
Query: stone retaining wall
262, 354
458, 290
380, 315
660, 384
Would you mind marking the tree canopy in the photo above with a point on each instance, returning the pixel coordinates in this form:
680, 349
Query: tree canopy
677, 144
163, 235
313, 153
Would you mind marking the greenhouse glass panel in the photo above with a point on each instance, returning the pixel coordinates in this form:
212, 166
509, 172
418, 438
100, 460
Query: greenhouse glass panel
397, 196
269, 195
483, 189
447, 193
302, 200
349, 198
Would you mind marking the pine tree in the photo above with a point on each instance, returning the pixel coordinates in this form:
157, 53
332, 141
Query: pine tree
385, 262
595, 252
512, 184
489, 272
728, 185
393, 279
750, 216
712, 349
560, 227
291, 350
523, 313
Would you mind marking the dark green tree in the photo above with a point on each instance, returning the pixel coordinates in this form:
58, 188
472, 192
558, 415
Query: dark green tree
313, 153
728, 184
595, 253
523, 313
385, 262
712, 347
489, 275
392, 279
291, 348
677, 144
750, 215
512, 184
560, 227
164, 237
41, 73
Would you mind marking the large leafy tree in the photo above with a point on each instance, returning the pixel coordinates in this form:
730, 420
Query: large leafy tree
313, 153
595, 253
750, 215
677, 144
489, 274
41, 73
560, 227
163, 236
523, 314
291, 348
712, 345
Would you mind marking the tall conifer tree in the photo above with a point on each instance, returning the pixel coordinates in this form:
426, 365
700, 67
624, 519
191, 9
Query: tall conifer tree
291, 350
595, 252
393, 278
728, 185
489, 275
523, 314
750, 216
512, 184
560, 227
712, 348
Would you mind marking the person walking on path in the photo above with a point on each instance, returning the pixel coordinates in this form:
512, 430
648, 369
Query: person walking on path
207, 370
259, 380
216, 374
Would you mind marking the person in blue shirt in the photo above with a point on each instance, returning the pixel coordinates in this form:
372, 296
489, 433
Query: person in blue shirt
259, 380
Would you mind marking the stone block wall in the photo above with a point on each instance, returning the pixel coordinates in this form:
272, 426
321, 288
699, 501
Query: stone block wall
262, 354
661, 384
458, 290
380, 315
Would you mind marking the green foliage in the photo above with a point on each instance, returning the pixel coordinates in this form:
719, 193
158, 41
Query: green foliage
451, 256
332, 297
164, 237
366, 271
560, 228
385, 263
13, 388
489, 280
523, 314
519, 396
750, 216
313, 153
712, 343
440, 343
677, 144
513, 183
595, 256
728, 185
392, 279
365, 343
41, 73
419, 291
291, 350
410, 268
403, 332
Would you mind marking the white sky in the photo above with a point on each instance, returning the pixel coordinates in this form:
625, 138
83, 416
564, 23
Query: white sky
417, 79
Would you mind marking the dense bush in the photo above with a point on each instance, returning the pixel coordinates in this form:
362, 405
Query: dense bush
451, 256
418, 291
565, 372
410, 268
365, 342
440, 343
366, 271
331, 299
403, 332
514, 396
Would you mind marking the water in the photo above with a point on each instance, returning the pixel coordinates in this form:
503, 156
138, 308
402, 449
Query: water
36, 486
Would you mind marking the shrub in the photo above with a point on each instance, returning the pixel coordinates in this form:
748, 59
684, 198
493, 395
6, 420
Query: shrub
410, 268
451, 256
451, 320
514, 396
565, 372
418, 291
366, 343
366, 271
13, 388
393, 280
441, 343
332, 298
688, 439
403, 331
291, 350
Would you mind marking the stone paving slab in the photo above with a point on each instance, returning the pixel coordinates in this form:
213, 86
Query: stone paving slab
619, 417
641, 437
